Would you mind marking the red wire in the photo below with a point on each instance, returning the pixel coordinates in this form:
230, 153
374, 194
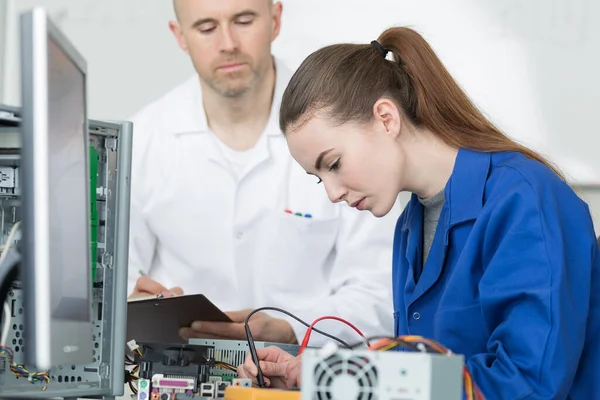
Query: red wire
310, 328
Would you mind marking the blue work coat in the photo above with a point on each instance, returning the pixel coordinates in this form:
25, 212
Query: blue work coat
512, 280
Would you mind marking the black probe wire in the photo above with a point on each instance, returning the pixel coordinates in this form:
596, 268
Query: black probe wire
259, 375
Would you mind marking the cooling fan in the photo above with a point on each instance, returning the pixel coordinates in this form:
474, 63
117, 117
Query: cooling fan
341, 374
345, 376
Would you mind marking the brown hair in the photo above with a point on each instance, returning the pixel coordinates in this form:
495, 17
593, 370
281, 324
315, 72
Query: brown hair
345, 80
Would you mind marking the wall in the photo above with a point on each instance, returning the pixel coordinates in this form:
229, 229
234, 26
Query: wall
530, 65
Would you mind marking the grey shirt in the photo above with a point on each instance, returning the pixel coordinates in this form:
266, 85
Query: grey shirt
432, 208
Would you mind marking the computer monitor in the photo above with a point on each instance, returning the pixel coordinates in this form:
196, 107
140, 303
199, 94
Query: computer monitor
56, 271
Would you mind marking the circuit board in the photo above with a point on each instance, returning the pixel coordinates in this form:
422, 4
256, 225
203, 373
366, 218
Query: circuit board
159, 371
203, 370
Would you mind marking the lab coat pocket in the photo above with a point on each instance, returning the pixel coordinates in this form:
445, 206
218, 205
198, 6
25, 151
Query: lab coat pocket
455, 327
300, 252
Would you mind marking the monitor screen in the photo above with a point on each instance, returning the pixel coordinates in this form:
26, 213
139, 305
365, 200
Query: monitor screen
56, 266
69, 220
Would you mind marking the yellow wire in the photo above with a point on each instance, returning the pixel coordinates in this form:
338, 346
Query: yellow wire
381, 343
468, 386
225, 366
388, 347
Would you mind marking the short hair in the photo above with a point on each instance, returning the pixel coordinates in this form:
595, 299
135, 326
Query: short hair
176, 7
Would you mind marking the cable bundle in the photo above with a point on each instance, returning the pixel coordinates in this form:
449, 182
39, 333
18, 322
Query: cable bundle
20, 370
132, 376
224, 365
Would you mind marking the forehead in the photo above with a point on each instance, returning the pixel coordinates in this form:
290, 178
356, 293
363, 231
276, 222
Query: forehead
217, 8
314, 136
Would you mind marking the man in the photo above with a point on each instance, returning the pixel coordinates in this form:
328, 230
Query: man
219, 207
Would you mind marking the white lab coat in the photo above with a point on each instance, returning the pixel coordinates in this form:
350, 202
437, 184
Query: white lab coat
193, 225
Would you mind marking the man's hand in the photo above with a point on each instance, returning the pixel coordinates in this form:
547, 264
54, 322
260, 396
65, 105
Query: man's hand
280, 369
263, 327
146, 286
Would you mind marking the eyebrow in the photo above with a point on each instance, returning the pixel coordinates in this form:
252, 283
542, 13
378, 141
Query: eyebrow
244, 13
320, 159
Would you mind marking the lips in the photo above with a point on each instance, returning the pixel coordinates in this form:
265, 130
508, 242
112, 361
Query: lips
359, 204
231, 65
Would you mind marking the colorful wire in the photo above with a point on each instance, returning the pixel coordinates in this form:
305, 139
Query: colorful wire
20, 370
306, 339
225, 365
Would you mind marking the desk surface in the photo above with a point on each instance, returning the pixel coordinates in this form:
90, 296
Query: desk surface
241, 393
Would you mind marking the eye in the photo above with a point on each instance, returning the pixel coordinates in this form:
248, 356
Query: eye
335, 165
246, 20
206, 28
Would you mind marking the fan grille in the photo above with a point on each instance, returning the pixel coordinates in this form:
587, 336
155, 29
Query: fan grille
341, 378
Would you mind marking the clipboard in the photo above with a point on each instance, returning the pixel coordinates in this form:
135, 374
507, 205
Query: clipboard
158, 319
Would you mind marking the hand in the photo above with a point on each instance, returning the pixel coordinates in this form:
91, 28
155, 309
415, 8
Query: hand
280, 369
263, 327
146, 286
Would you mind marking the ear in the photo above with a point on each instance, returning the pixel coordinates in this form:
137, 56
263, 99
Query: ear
387, 115
276, 12
178, 33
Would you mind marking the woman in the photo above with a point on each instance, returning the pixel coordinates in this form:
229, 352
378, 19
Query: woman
494, 257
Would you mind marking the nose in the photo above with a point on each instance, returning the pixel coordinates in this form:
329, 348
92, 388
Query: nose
229, 40
335, 192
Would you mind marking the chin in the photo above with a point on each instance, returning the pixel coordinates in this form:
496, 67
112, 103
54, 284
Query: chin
234, 91
381, 211
232, 86
377, 214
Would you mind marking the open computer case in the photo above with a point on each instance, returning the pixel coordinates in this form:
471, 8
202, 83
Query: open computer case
110, 165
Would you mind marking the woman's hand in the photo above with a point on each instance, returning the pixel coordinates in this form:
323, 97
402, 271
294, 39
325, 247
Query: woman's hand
280, 369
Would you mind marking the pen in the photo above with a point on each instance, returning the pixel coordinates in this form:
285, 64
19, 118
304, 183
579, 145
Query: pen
152, 296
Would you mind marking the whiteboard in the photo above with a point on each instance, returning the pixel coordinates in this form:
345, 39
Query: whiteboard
531, 65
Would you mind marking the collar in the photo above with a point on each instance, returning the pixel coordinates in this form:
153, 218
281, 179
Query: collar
464, 190
191, 117
466, 185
